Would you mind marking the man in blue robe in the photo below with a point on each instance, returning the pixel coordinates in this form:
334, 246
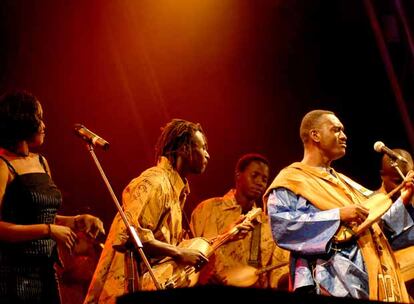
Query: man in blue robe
309, 202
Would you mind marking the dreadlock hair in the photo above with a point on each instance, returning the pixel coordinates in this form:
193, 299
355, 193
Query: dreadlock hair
19, 118
246, 159
174, 135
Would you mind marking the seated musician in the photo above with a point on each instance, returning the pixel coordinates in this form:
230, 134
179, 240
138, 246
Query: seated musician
254, 250
309, 202
153, 203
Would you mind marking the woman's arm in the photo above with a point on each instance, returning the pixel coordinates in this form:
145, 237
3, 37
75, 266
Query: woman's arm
13, 233
87, 223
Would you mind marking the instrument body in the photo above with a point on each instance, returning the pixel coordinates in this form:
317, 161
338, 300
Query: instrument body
377, 205
172, 275
247, 276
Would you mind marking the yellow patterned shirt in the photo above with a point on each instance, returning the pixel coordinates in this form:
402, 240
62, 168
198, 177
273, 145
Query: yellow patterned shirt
211, 218
153, 203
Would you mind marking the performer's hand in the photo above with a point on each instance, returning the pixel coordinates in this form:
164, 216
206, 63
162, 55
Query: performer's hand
408, 190
63, 235
245, 227
191, 257
90, 224
242, 228
353, 213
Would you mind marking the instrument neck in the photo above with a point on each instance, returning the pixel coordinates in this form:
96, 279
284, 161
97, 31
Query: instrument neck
270, 267
222, 239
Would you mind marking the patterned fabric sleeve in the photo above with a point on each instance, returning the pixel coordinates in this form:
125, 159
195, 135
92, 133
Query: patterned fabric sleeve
298, 226
143, 205
397, 219
202, 215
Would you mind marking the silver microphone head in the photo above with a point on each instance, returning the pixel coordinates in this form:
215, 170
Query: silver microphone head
378, 146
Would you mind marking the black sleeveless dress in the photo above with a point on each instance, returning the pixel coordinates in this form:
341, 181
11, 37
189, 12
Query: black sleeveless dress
27, 273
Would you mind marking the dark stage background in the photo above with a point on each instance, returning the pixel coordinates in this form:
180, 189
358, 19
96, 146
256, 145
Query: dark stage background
246, 70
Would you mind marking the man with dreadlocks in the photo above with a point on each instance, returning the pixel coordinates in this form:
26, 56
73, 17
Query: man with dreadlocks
153, 202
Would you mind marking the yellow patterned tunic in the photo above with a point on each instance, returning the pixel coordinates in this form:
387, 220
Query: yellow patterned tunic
153, 203
211, 218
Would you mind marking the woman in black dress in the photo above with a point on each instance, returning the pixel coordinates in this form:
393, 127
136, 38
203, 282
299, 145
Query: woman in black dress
29, 201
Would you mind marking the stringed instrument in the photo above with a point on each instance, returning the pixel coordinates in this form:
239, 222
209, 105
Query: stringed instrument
172, 275
377, 205
246, 275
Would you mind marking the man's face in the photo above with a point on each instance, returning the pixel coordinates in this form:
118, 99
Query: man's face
252, 181
332, 139
198, 158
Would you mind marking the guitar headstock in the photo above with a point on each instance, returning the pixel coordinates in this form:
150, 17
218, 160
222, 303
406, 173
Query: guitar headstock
253, 214
236, 228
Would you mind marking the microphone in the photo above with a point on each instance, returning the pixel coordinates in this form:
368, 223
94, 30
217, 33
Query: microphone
90, 137
381, 148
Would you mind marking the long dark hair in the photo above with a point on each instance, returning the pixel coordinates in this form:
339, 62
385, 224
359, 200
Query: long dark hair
19, 119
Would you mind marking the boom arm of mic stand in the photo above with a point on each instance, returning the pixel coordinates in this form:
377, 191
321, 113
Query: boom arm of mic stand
132, 232
395, 165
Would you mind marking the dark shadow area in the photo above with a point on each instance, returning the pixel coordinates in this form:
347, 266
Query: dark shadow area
246, 70
217, 294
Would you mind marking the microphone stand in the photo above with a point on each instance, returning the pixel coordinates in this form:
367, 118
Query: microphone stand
394, 164
132, 232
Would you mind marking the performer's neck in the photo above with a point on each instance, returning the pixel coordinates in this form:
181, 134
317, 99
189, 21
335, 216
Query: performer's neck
245, 203
316, 160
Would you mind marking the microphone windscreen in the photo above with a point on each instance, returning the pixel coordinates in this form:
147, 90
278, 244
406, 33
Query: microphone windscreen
378, 146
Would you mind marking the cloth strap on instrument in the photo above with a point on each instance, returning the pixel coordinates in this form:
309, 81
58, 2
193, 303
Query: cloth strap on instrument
255, 246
